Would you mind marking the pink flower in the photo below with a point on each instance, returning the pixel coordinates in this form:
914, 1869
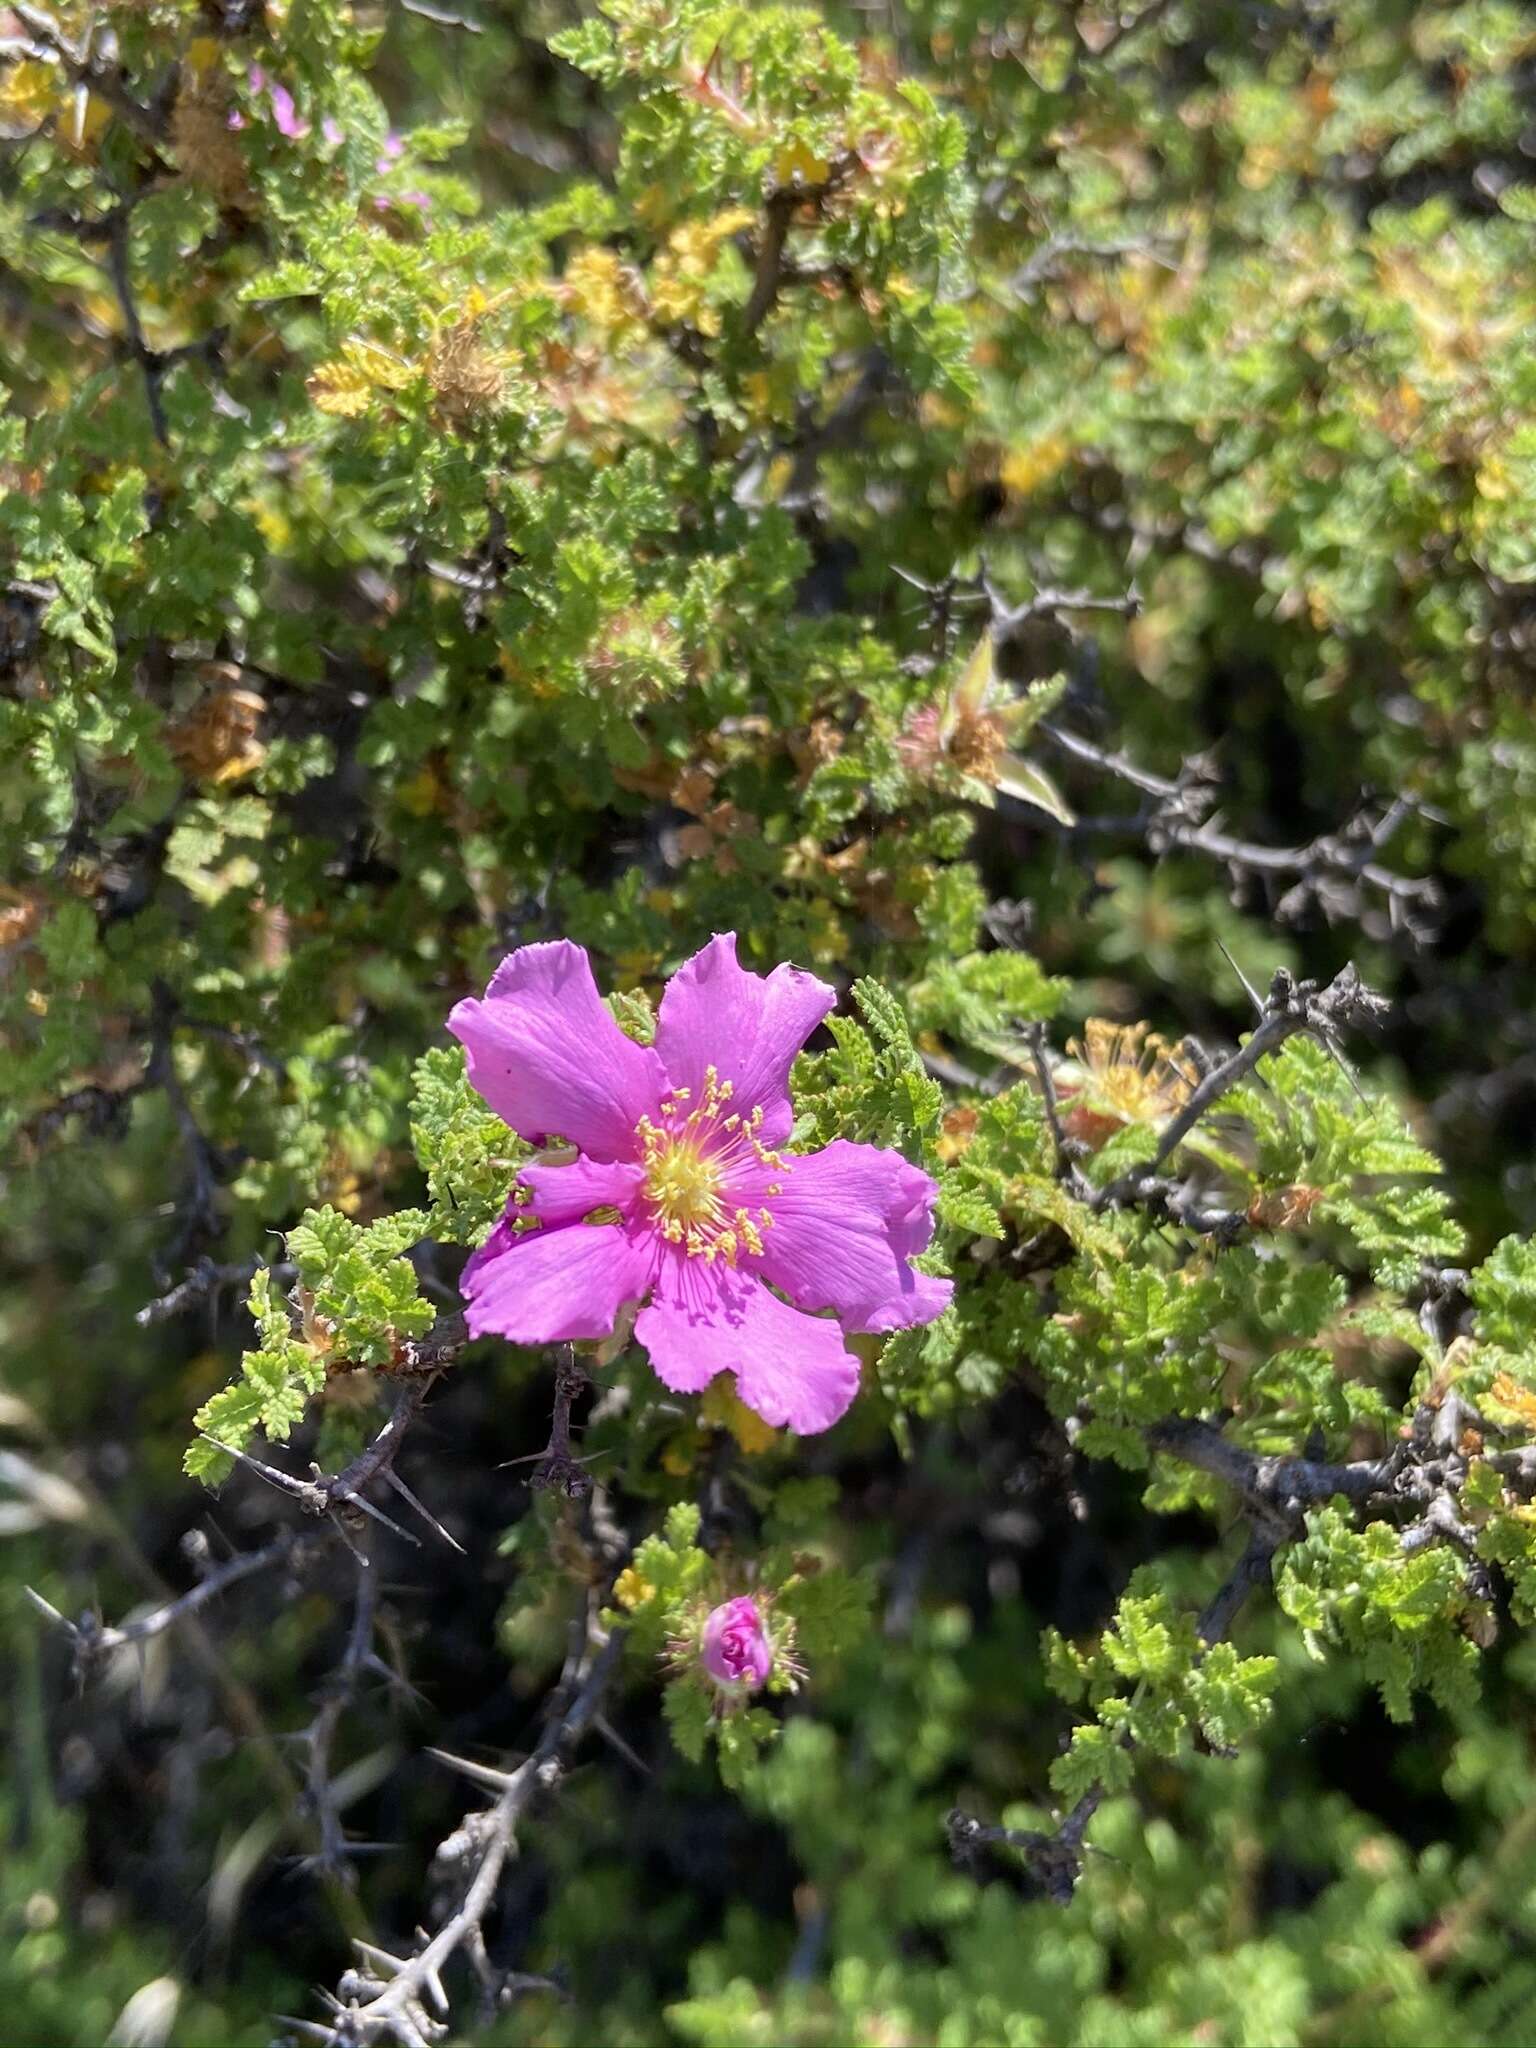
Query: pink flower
734, 1647
285, 115
673, 1192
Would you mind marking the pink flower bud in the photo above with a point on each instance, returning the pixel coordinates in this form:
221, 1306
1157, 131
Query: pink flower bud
735, 1647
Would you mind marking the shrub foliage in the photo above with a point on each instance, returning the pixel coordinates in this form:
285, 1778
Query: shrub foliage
1029, 518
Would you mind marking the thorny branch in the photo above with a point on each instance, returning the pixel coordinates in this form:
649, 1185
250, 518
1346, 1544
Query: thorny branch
205, 1165
149, 361
386, 1999
1275, 1491
325, 1494
1055, 1860
1324, 869
558, 1469
93, 1642
340, 1691
1290, 1007
206, 1277
1010, 620
1056, 250
1422, 1470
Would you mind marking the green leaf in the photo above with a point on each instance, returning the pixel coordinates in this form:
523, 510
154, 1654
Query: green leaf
1022, 780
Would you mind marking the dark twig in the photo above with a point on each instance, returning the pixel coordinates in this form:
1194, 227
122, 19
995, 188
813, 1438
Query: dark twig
150, 362
1291, 1006
204, 1163
1273, 1482
205, 1278
1175, 818
325, 1494
558, 1469
340, 1691
780, 209
1055, 1859
1066, 1150
1265, 1536
92, 1641
1058, 250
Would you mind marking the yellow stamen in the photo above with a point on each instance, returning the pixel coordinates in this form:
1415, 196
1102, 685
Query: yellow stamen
692, 1161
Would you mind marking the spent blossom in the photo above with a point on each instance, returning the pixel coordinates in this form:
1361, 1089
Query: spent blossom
665, 1187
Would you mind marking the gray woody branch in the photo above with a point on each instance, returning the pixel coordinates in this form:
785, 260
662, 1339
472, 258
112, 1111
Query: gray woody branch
402, 1998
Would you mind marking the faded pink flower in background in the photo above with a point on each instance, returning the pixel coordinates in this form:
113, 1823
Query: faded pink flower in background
669, 1189
286, 117
734, 1647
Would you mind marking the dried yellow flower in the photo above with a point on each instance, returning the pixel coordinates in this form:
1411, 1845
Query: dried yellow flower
218, 740
204, 144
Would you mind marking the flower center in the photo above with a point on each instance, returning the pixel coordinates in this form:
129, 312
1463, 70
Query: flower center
690, 1160
682, 1185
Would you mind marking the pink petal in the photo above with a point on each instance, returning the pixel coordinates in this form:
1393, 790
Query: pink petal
796, 1371
555, 1286
285, 115
702, 1319
747, 1026
845, 1224
549, 1059
680, 1325
564, 1194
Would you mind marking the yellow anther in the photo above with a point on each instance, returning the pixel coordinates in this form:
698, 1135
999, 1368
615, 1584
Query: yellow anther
693, 1164
748, 1233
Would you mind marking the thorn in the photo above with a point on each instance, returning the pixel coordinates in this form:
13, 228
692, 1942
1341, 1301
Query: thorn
612, 1736
533, 1457
381, 1956
1252, 993
48, 1613
478, 1774
395, 1680
309, 2028
340, 1527
1343, 1065
425, 1513
284, 1480
356, 1500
